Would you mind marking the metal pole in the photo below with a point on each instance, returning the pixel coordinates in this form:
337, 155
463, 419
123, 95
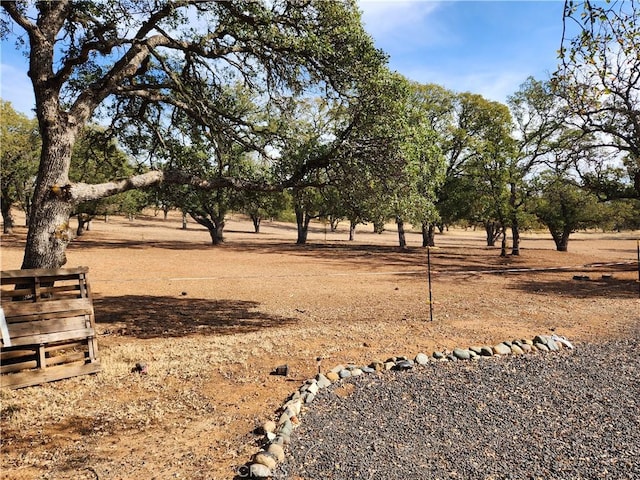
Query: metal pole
638, 251
429, 277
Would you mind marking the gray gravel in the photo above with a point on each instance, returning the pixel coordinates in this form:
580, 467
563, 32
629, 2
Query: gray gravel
568, 415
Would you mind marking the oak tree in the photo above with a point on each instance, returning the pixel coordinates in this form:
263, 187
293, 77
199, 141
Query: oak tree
127, 60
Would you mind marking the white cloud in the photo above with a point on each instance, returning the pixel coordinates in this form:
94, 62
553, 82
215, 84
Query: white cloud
494, 85
15, 87
402, 22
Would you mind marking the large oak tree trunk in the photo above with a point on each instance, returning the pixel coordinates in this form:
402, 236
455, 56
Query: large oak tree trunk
515, 236
493, 232
352, 230
503, 243
256, 219
49, 232
402, 240
428, 234
7, 217
561, 238
302, 220
214, 225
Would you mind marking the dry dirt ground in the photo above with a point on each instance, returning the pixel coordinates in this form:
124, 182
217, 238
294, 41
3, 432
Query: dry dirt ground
211, 323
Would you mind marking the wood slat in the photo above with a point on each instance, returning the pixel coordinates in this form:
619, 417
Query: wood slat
68, 358
44, 327
51, 274
14, 310
7, 354
67, 290
11, 294
36, 377
27, 364
51, 316
66, 345
53, 337
50, 320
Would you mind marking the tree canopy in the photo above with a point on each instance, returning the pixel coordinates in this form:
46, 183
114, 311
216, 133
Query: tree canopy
599, 79
134, 63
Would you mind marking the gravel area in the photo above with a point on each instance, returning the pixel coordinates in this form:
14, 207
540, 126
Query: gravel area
572, 414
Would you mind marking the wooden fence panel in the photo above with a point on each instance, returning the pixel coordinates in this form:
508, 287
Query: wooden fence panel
48, 326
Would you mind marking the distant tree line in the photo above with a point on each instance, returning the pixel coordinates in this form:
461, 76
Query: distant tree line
216, 107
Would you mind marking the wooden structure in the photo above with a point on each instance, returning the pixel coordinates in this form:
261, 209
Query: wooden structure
47, 325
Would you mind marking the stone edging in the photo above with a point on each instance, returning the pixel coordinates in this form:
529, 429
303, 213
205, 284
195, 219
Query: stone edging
278, 434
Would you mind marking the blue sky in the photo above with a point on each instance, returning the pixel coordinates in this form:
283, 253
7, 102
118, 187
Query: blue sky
485, 47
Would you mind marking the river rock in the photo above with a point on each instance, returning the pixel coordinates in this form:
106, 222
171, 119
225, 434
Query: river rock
258, 470
486, 351
438, 355
403, 365
332, 376
461, 354
267, 459
277, 451
562, 341
313, 388
356, 372
337, 368
552, 345
475, 349
344, 373
377, 365
322, 381
269, 426
368, 370
501, 349
421, 359
540, 339
516, 350
294, 405
541, 346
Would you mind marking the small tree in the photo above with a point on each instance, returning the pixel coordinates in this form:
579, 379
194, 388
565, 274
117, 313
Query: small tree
564, 207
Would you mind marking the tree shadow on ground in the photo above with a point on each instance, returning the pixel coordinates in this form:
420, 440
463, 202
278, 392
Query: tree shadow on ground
145, 316
590, 286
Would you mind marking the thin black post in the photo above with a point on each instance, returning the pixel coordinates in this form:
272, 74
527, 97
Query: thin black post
429, 277
638, 250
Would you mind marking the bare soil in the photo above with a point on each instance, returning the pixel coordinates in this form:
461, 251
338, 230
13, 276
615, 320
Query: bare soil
212, 323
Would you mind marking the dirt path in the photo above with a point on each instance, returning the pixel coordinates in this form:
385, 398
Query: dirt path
212, 323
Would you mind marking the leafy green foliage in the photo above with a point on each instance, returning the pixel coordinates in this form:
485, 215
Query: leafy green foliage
564, 207
97, 158
599, 79
20, 151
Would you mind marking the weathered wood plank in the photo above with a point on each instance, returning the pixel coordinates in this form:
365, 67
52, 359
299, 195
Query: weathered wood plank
36, 377
67, 290
66, 346
67, 358
8, 354
44, 327
14, 310
42, 272
9, 295
54, 337
17, 367
50, 318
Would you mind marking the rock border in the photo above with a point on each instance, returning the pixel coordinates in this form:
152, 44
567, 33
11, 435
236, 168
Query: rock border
277, 434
